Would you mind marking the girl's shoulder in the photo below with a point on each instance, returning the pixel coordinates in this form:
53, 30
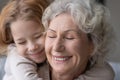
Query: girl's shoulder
44, 71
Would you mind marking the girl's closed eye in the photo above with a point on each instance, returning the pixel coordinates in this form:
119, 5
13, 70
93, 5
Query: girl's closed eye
21, 42
38, 35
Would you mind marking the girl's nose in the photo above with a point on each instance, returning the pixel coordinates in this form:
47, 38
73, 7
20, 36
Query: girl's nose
32, 47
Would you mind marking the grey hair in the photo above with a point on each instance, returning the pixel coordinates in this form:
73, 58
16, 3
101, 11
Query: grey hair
90, 16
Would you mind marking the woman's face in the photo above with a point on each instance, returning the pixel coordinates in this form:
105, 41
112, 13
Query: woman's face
67, 48
29, 40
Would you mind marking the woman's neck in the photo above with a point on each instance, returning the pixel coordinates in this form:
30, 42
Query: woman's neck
68, 75
59, 76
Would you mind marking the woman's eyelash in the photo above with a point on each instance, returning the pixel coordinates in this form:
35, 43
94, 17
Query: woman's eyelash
51, 36
70, 38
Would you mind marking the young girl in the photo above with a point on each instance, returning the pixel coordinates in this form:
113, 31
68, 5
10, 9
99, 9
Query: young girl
22, 31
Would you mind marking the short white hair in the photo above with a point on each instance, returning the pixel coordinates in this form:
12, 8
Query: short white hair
90, 16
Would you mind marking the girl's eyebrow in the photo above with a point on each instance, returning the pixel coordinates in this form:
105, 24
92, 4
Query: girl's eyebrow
38, 33
19, 39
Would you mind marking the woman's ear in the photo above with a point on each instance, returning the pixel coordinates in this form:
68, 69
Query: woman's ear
91, 49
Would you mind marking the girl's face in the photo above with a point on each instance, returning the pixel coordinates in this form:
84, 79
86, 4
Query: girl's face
67, 48
29, 40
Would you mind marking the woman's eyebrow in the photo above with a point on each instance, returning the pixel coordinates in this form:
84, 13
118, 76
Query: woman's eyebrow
51, 30
66, 31
72, 30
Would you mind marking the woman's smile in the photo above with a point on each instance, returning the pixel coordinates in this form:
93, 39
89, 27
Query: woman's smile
60, 59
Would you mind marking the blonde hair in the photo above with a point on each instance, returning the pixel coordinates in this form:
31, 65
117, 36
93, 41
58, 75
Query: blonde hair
19, 9
90, 16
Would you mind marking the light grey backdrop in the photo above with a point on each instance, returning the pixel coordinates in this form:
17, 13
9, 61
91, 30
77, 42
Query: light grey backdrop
114, 7
2, 3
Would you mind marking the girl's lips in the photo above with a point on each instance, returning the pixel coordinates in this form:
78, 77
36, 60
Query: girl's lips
37, 54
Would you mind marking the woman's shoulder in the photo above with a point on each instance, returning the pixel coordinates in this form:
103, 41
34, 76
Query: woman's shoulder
100, 71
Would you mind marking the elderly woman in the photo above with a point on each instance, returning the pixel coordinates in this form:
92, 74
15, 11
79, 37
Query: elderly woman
77, 35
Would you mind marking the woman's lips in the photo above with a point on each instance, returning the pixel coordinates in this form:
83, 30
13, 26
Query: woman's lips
61, 59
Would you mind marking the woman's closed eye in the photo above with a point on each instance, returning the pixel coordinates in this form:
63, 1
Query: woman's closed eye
69, 36
51, 36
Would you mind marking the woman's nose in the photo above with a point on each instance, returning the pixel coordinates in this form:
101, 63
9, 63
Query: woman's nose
58, 45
